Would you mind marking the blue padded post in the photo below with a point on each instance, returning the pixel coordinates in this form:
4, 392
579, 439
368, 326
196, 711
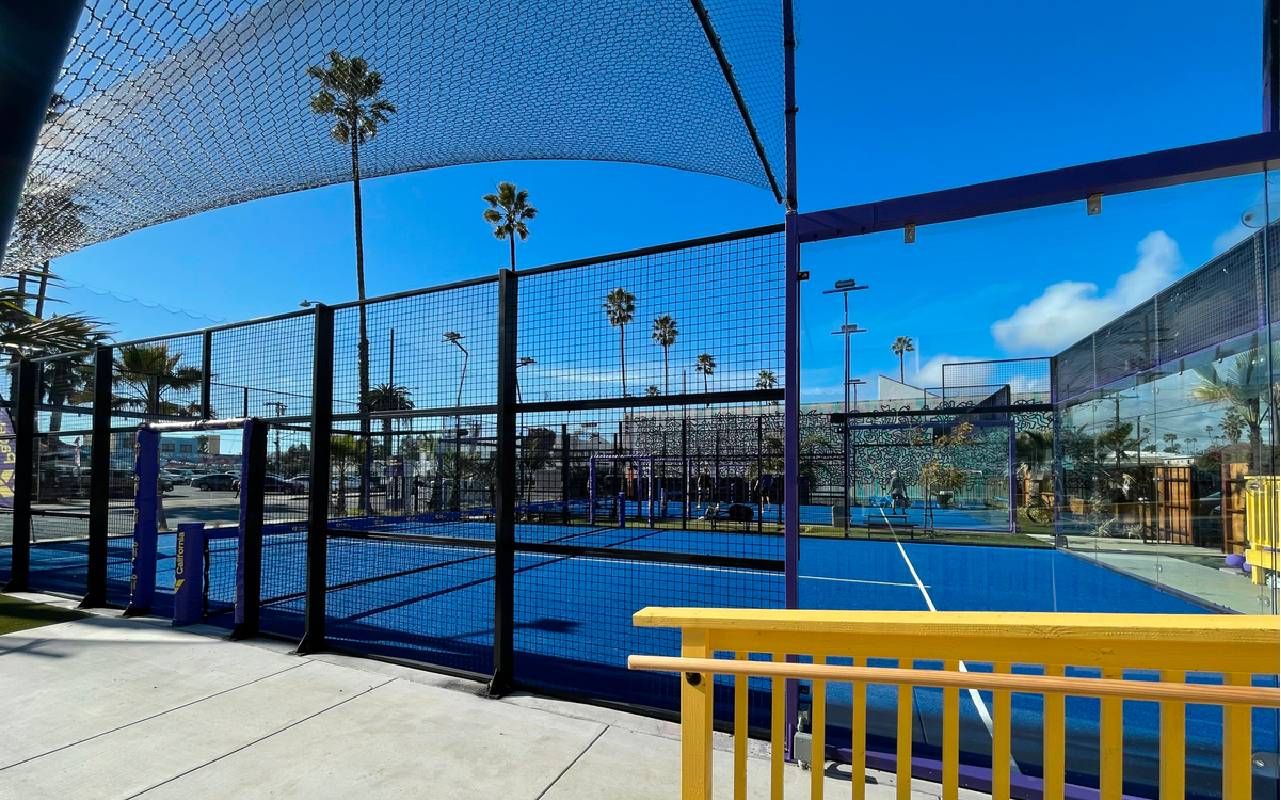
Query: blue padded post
146, 505
189, 574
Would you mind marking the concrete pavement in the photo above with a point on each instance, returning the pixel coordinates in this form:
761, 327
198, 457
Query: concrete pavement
105, 707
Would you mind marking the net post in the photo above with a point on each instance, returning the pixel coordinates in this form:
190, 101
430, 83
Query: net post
24, 429
564, 473
792, 350
146, 500
100, 479
505, 487
322, 412
685, 473
591, 489
253, 472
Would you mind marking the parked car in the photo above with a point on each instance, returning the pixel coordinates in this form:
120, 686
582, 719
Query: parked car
274, 484
215, 482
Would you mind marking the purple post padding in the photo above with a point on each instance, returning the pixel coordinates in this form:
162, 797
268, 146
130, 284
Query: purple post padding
650, 462
622, 509
246, 449
146, 505
189, 574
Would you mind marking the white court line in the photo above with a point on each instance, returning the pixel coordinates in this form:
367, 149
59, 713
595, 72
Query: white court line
855, 580
975, 697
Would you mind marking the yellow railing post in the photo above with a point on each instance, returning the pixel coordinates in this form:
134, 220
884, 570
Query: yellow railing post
858, 738
777, 732
1053, 733
696, 720
1001, 738
818, 730
903, 744
1110, 744
1173, 732
951, 737
1236, 744
740, 733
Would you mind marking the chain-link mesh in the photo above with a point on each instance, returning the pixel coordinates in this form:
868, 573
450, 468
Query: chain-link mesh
1226, 297
168, 108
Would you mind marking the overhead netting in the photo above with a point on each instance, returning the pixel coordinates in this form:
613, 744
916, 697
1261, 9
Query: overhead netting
171, 107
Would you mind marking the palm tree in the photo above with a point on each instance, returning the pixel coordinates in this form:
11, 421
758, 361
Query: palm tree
902, 345
348, 94
620, 308
1242, 388
23, 334
766, 379
508, 212
387, 397
344, 450
706, 365
665, 334
146, 373
652, 390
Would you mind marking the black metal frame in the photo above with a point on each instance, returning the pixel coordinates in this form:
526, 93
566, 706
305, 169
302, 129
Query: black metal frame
322, 412
505, 487
252, 497
99, 490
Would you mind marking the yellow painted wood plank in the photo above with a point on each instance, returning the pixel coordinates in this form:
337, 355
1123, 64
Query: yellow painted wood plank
951, 737
1173, 734
1001, 738
777, 732
858, 738
903, 744
1110, 742
1236, 745
818, 729
740, 733
696, 721
1052, 739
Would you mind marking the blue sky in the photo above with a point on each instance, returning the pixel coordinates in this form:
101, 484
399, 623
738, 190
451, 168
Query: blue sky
891, 104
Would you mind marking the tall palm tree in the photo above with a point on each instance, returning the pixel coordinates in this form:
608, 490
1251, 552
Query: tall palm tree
508, 211
706, 365
620, 308
348, 94
902, 345
665, 334
766, 379
1243, 388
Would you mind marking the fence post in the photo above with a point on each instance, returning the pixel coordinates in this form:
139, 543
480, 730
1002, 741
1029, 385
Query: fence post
253, 480
322, 412
99, 480
505, 487
564, 473
24, 430
146, 502
206, 375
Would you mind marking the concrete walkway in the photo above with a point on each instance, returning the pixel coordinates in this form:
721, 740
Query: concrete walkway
105, 707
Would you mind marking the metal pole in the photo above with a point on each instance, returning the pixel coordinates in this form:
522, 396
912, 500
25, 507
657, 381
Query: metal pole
685, 472
253, 458
24, 450
845, 462
505, 487
99, 480
792, 355
206, 376
564, 473
322, 412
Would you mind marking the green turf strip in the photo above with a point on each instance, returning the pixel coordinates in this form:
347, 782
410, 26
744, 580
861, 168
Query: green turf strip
16, 615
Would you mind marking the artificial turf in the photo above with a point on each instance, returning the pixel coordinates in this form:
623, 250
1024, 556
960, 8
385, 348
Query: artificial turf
17, 615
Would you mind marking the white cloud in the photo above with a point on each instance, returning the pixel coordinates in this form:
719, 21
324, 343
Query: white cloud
1069, 310
1224, 241
930, 375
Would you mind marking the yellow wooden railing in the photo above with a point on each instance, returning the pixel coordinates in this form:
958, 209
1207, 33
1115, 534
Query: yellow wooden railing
1262, 509
1236, 646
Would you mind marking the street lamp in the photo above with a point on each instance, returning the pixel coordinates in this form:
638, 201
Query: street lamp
524, 361
456, 339
843, 287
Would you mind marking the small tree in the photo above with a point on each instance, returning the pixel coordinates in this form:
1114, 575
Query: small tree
705, 366
939, 474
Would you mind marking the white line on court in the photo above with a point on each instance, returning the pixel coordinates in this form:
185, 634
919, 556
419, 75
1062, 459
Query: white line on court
975, 697
855, 580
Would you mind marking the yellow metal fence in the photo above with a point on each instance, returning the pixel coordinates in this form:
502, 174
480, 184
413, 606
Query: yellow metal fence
1236, 646
1262, 508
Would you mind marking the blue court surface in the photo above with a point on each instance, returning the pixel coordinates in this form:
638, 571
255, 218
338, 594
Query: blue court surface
404, 597
874, 511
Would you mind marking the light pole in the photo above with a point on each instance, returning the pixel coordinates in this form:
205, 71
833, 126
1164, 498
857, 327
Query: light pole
456, 339
843, 287
524, 361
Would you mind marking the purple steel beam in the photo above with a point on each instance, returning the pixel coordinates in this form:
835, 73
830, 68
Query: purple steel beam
1160, 169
